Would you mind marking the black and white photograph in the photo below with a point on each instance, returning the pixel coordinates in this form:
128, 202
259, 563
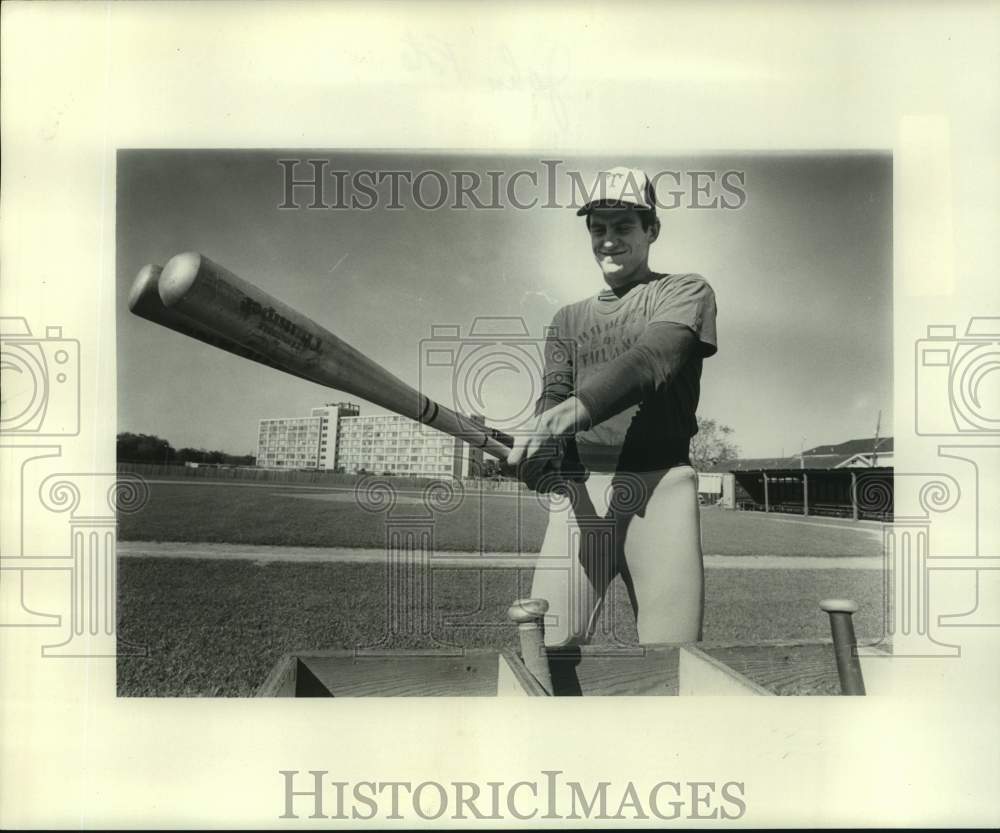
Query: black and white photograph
534, 402
422, 415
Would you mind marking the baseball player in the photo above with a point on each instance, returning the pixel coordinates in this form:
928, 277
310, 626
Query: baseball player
615, 417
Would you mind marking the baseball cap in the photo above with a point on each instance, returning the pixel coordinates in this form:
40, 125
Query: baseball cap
620, 186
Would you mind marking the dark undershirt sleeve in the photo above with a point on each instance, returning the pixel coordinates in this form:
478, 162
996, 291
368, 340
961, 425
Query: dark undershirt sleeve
650, 364
558, 377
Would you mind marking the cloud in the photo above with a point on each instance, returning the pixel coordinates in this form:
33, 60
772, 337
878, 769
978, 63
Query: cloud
530, 294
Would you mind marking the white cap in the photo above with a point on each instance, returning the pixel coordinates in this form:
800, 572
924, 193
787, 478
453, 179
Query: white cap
620, 187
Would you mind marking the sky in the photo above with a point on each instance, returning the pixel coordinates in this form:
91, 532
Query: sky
796, 246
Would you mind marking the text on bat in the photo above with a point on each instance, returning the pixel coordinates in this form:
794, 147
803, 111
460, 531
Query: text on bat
269, 316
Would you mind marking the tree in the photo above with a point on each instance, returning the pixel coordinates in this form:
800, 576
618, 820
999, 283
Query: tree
713, 445
144, 448
191, 455
492, 469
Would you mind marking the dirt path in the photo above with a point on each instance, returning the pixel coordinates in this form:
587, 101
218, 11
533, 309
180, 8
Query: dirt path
333, 555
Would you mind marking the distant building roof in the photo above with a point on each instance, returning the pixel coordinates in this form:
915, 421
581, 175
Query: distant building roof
756, 463
820, 457
851, 447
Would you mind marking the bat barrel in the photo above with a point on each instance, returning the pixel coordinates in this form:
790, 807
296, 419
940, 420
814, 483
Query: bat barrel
145, 289
845, 645
223, 304
202, 290
529, 614
145, 302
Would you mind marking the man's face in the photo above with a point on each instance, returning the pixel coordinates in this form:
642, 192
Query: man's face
620, 245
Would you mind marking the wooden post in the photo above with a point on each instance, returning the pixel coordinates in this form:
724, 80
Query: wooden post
854, 495
767, 502
805, 494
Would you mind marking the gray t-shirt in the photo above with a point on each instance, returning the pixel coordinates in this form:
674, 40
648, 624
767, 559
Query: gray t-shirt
588, 335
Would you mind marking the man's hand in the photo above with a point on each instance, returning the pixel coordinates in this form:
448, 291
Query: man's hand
537, 450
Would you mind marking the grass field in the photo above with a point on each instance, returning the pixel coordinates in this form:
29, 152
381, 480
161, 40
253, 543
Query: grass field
216, 628
285, 516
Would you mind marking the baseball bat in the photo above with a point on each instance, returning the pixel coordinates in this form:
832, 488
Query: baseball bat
203, 300
529, 615
144, 301
845, 645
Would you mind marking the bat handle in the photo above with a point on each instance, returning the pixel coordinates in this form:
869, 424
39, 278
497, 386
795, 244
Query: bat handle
529, 614
845, 645
506, 440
